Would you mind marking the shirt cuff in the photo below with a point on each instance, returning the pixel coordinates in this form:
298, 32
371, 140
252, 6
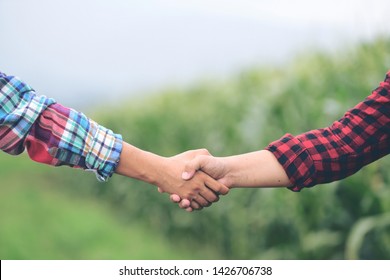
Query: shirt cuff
103, 151
63, 136
296, 161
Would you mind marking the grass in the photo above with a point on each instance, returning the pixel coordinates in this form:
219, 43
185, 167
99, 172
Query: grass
40, 221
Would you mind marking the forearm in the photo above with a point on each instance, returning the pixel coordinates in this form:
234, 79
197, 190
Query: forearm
138, 164
255, 169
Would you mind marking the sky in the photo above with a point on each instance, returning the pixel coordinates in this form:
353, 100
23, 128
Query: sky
89, 52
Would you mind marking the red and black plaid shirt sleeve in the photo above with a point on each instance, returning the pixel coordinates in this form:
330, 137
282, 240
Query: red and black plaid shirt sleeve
325, 155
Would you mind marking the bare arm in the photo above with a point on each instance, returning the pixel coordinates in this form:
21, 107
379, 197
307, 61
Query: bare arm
251, 170
258, 169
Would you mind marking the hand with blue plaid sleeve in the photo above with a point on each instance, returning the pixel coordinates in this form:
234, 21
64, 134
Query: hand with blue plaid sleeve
57, 135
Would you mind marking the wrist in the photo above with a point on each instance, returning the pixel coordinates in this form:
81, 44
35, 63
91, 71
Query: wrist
230, 176
138, 164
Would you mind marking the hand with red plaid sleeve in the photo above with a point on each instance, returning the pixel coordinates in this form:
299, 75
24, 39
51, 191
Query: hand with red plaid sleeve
319, 156
250, 170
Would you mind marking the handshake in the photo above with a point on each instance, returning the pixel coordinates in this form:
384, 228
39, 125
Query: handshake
202, 180
195, 179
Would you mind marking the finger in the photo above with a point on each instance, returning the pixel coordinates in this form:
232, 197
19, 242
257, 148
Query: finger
209, 185
187, 175
192, 166
175, 198
209, 195
189, 209
215, 186
160, 190
185, 203
195, 205
201, 201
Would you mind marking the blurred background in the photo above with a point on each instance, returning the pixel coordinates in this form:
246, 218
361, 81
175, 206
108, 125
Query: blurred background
170, 76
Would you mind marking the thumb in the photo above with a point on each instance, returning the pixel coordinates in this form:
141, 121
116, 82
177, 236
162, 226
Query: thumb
192, 166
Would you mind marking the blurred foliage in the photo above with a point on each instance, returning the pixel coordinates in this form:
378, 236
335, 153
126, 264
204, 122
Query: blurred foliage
344, 219
38, 220
245, 114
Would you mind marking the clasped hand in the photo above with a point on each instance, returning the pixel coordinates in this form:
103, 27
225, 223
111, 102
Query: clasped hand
192, 188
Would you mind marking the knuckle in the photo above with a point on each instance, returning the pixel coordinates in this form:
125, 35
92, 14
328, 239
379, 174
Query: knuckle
204, 151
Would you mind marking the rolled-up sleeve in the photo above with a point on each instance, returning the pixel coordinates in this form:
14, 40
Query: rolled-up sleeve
20, 107
54, 134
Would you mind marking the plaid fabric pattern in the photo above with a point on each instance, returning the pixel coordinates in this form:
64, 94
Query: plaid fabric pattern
52, 133
360, 137
19, 108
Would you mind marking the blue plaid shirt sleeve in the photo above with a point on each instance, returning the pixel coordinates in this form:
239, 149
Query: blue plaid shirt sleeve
54, 134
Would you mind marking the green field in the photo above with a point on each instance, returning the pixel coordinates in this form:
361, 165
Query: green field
60, 213
39, 220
